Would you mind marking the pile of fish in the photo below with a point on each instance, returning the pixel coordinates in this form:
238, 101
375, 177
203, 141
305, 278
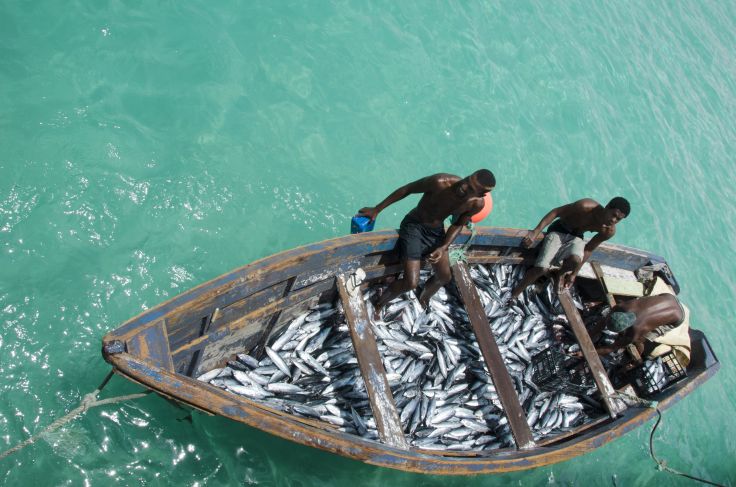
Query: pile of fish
441, 386
656, 374
442, 390
309, 370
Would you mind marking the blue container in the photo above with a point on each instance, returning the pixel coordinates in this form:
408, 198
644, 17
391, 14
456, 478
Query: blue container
360, 224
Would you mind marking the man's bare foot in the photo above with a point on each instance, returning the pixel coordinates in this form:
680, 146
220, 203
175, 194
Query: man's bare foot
377, 306
508, 299
424, 302
377, 314
567, 280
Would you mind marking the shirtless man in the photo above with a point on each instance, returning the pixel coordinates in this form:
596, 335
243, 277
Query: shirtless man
422, 231
563, 245
640, 319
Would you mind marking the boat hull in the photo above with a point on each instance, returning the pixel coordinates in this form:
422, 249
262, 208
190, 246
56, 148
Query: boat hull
165, 347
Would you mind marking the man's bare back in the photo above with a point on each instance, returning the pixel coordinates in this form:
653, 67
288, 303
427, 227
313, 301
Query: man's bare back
443, 195
585, 216
650, 313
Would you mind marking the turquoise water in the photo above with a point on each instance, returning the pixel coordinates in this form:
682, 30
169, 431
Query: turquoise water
146, 147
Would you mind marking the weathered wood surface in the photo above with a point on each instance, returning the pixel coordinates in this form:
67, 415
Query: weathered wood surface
222, 403
152, 344
589, 353
371, 367
492, 355
602, 280
220, 342
342, 254
624, 287
255, 292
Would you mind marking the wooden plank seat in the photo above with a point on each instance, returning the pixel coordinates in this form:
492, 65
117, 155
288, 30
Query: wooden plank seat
589, 353
371, 366
492, 355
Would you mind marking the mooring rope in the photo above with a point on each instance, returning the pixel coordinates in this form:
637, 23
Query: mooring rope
661, 464
88, 401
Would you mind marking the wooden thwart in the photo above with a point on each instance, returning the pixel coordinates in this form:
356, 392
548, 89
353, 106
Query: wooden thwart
371, 366
598, 271
492, 355
589, 353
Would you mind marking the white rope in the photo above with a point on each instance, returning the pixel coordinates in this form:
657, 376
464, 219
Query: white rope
88, 401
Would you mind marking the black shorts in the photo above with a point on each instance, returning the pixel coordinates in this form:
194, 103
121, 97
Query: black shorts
417, 240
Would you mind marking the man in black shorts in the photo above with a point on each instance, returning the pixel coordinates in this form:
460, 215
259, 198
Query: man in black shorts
422, 233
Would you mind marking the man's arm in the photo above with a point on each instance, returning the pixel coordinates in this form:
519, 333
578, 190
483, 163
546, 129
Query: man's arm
453, 231
624, 338
419, 186
560, 211
593, 244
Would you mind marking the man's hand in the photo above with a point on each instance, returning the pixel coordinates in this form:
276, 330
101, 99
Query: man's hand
436, 255
568, 279
369, 211
530, 238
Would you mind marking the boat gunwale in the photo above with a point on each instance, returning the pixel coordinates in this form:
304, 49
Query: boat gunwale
179, 301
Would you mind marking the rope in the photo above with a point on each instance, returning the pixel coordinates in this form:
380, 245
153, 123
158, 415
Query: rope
662, 465
458, 254
88, 401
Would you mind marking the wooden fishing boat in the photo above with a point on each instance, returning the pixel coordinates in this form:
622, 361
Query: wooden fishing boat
167, 347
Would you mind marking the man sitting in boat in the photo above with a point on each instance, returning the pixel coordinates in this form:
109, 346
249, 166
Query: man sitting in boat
654, 324
563, 246
422, 233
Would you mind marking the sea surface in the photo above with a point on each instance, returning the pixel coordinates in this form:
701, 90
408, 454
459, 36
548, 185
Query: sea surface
146, 147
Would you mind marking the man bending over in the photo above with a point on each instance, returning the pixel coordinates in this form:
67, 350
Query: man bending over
640, 320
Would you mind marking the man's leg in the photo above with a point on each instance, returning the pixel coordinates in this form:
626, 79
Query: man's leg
568, 266
442, 275
550, 246
399, 286
531, 275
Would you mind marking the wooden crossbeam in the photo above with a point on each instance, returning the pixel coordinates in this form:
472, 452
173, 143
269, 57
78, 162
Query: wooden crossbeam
598, 271
589, 353
371, 366
492, 356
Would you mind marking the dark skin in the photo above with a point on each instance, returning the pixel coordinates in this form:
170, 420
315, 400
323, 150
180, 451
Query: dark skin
442, 195
585, 215
651, 313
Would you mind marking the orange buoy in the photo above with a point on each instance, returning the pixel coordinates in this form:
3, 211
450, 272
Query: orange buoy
487, 207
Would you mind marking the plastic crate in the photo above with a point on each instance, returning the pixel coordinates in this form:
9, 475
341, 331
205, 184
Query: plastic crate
654, 376
554, 372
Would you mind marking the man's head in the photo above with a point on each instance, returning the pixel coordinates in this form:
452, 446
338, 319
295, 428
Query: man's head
476, 185
616, 210
621, 320
485, 178
481, 182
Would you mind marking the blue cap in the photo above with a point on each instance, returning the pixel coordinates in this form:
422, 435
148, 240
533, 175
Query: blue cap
621, 320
